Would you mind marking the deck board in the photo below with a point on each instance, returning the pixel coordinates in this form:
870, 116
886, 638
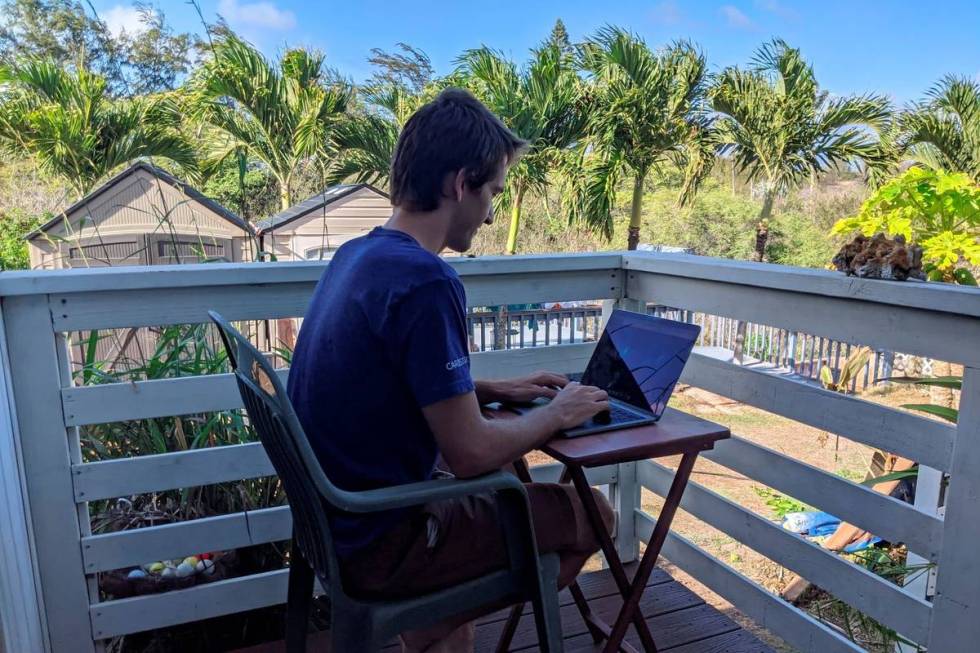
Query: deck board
680, 621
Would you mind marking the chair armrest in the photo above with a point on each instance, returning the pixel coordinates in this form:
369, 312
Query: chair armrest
416, 494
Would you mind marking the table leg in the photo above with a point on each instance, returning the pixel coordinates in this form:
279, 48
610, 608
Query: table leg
649, 560
615, 565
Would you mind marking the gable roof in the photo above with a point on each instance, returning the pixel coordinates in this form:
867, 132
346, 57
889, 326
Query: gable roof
314, 203
160, 174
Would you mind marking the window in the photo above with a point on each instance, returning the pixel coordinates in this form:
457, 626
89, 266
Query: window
105, 253
190, 249
319, 253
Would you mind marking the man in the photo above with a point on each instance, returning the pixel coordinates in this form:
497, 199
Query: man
381, 380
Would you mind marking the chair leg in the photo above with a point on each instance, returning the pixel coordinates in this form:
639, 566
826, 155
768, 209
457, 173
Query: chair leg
547, 613
299, 598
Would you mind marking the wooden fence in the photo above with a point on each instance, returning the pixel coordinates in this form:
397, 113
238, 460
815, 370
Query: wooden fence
62, 609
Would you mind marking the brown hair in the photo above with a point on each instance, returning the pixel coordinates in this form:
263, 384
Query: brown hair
453, 132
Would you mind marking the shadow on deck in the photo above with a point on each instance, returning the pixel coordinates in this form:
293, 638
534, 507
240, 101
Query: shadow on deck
681, 622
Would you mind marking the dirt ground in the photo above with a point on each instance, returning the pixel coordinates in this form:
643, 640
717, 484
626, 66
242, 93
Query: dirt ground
837, 455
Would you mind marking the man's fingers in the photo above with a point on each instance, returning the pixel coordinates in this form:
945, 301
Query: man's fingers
550, 393
551, 379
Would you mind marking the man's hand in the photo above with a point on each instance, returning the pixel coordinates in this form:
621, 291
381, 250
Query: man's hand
577, 403
522, 389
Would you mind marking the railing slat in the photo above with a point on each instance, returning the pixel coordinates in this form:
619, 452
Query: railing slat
232, 531
804, 632
136, 614
924, 440
128, 476
883, 515
99, 309
883, 325
850, 583
116, 402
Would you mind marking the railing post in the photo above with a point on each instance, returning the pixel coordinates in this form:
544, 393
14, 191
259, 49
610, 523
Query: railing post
625, 494
22, 618
956, 606
36, 376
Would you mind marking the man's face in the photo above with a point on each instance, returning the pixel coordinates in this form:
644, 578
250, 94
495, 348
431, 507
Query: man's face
474, 210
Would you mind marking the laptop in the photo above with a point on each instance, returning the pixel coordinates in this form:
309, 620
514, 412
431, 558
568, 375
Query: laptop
638, 360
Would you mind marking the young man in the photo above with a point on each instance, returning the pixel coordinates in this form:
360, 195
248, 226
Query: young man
381, 380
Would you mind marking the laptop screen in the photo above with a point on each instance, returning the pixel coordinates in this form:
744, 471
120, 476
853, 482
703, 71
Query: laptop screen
639, 359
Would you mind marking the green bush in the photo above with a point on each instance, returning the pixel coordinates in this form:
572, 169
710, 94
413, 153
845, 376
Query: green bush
14, 225
716, 223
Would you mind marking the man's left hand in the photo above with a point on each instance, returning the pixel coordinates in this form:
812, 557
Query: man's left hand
522, 389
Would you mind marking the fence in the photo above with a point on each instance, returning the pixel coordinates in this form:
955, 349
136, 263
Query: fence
803, 353
61, 599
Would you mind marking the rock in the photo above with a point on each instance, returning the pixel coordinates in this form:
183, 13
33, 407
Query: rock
184, 570
205, 567
879, 257
155, 567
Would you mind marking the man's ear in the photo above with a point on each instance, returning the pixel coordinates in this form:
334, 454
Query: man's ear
459, 184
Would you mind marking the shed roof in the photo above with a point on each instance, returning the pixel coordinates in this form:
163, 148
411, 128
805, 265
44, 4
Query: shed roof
160, 174
326, 197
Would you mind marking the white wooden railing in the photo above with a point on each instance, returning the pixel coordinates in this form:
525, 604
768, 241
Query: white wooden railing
46, 480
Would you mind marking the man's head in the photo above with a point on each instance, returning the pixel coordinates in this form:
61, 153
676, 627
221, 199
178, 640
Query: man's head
452, 156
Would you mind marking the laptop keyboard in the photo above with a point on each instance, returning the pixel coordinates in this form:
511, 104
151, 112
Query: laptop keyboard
618, 414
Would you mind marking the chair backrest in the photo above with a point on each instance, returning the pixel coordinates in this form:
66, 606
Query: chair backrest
285, 442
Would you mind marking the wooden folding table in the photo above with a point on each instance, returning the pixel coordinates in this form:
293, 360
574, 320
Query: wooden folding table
676, 433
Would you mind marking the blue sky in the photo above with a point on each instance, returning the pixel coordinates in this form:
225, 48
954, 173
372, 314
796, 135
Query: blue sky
897, 48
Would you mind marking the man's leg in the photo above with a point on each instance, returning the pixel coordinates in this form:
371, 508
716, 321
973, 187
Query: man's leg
438, 549
561, 526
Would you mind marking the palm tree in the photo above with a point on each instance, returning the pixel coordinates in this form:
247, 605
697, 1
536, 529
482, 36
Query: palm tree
366, 142
648, 111
944, 131
67, 123
781, 129
282, 115
541, 103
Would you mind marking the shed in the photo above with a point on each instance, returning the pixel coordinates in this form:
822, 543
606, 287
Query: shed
316, 227
141, 216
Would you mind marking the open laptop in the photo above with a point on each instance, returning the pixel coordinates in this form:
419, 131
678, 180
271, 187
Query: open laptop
638, 360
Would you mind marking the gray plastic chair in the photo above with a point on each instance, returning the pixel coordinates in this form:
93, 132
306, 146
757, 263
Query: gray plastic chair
363, 626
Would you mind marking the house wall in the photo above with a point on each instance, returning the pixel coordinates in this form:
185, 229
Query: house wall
140, 220
344, 219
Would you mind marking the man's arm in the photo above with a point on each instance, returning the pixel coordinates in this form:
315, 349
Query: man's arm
473, 445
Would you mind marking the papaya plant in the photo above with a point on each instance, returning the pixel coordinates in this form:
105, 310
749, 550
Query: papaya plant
936, 210
852, 367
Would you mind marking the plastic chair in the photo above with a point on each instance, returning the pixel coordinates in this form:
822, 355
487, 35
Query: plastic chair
365, 626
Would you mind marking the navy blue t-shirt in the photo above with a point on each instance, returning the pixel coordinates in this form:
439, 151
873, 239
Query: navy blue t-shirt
384, 335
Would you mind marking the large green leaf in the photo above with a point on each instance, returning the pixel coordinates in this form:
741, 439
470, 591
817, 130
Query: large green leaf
942, 381
948, 414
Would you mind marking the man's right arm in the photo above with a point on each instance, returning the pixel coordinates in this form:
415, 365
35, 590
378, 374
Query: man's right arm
472, 444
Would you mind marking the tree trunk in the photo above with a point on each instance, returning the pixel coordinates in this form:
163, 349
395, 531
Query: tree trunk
762, 228
284, 199
761, 238
636, 211
515, 220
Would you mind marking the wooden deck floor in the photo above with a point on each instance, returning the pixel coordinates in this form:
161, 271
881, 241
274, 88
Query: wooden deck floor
681, 622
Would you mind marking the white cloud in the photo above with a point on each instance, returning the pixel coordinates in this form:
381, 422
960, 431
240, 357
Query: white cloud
121, 19
736, 18
776, 7
666, 13
265, 15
